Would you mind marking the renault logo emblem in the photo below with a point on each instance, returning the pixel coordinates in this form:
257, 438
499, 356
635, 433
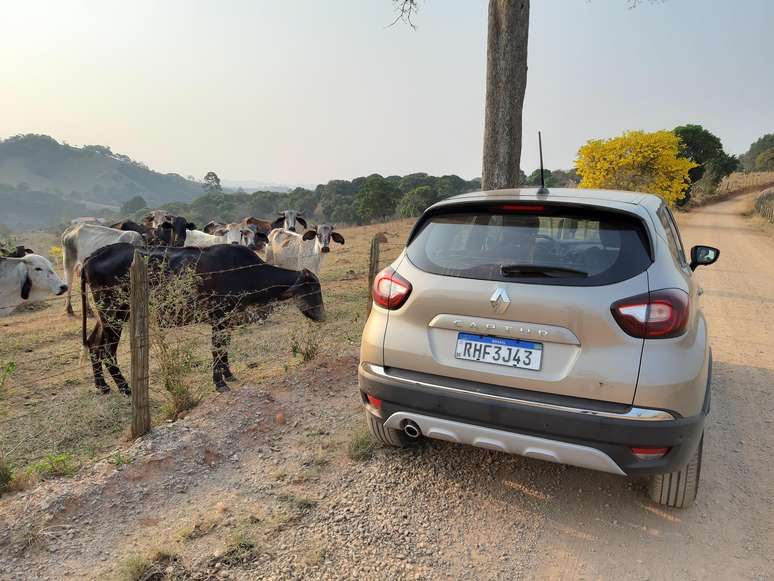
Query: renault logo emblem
500, 300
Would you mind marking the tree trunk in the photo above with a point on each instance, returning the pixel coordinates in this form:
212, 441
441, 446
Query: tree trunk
506, 81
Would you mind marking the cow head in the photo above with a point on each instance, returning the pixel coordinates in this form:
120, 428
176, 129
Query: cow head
180, 227
37, 278
211, 227
324, 234
257, 224
155, 218
288, 220
261, 240
236, 234
308, 295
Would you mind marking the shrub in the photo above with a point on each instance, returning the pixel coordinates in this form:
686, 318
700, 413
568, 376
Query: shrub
305, 343
636, 161
53, 465
172, 302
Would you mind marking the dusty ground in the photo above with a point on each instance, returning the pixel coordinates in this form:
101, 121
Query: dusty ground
258, 483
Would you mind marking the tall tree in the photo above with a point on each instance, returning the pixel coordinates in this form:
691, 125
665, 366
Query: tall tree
757, 147
212, 183
506, 82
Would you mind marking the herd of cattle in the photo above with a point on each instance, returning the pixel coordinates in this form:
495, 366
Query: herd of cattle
225, 258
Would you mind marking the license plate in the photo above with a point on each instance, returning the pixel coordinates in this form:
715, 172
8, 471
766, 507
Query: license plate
499, 351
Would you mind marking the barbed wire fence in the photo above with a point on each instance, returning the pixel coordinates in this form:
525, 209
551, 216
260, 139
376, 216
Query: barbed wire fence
65, 366
764, 205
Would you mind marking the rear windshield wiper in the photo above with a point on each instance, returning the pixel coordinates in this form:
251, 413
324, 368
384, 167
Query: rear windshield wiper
540, 270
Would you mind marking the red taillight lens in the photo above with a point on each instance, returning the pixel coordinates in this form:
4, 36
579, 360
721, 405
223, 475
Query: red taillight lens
390, 289
656, 315
649, 453
521, 208
374, 401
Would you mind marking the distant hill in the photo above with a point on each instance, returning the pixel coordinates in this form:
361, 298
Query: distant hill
44, 181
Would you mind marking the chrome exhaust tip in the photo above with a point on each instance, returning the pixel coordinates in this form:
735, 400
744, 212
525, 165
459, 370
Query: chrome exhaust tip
411, 429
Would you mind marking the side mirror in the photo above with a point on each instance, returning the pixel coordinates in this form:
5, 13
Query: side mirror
703, 256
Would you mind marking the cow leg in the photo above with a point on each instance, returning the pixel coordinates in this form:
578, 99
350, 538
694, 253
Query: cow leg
221, 338
89, 312
69, 271
111, 338
227, 374
96, 352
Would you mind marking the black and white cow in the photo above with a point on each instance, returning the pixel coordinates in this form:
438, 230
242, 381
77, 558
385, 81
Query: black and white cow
231, 278
29, 278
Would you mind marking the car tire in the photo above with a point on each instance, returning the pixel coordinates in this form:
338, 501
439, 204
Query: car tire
678, 489
387, 436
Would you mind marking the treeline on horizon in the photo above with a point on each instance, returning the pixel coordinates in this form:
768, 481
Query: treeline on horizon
37, 202
362, 200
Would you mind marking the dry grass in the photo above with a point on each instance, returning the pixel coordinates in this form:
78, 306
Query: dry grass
241, 548
732, 185
738, 180
50, 405
362, 445
152, 567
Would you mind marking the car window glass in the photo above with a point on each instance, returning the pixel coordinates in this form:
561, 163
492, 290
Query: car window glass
548, 245
676, 232
670, 234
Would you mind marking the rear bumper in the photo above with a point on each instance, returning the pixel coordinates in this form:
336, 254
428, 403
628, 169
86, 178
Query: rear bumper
597, 436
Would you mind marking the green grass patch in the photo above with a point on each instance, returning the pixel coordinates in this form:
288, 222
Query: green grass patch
53, 465
362, 446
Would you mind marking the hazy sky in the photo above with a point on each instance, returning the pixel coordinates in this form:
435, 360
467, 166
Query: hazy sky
303, 91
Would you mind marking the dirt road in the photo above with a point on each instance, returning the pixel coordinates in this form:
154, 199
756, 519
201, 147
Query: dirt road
729, 533
434, 512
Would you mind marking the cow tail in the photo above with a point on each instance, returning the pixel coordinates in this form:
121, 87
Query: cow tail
84, 309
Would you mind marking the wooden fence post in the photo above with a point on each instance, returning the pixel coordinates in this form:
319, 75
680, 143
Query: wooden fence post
139, 345
373, 267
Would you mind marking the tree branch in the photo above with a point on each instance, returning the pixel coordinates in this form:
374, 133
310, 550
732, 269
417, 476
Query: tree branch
406, 11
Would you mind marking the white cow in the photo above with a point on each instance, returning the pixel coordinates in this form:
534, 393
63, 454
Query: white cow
295, 251
80, 241
31, 278
222, 234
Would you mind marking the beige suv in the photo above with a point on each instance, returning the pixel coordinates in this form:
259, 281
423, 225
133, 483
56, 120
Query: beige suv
563, 326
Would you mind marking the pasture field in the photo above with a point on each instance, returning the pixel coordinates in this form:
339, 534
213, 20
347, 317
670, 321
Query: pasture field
279, 479
50, 408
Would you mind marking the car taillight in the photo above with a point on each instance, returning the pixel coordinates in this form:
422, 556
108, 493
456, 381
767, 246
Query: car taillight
643, 453
374, 401
390, 289
522, 208
656, 315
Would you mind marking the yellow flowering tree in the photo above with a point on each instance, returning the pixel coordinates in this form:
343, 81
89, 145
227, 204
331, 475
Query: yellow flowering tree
636, 161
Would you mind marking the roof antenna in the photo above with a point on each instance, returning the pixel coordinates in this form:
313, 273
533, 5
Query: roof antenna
543, 189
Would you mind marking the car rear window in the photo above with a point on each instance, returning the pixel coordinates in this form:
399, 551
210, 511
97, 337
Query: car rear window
538, 244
